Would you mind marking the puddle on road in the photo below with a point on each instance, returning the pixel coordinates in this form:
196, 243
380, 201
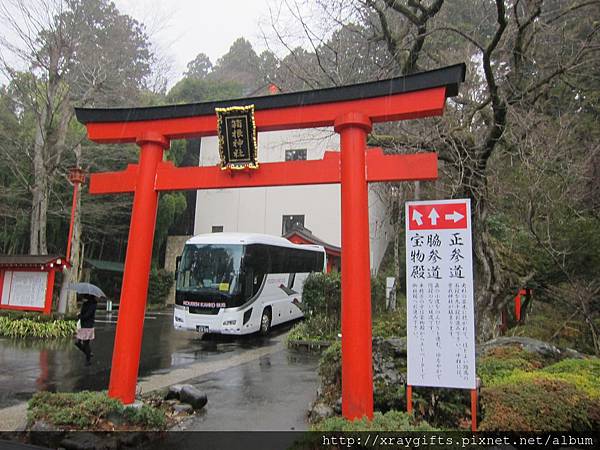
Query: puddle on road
30, 365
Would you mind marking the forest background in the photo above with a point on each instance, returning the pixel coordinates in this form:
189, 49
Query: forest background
521, 140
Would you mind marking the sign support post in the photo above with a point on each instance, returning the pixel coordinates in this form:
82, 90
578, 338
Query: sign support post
473, 410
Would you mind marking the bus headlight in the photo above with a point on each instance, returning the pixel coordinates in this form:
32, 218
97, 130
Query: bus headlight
178, 319
229, 322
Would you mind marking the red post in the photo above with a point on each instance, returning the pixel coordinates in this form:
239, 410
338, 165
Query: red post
76, 176
132, 306
49, 292
518, 300
357, 366
409, 405
75, 189
473, 410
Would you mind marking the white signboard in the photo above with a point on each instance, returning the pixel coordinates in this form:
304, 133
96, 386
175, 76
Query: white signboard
439, 294
24, 289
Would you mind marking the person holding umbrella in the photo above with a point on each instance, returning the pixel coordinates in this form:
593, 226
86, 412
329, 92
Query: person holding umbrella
89, 293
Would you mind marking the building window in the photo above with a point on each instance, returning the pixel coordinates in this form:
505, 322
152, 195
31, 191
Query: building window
291, 222
295, 155
217, 228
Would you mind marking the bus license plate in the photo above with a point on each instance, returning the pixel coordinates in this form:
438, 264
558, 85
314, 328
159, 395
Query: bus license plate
202, 328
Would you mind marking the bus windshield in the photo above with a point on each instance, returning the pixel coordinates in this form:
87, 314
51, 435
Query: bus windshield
213, 267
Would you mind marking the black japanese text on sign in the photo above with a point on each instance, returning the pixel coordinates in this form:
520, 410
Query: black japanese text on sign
439, 281
237, 137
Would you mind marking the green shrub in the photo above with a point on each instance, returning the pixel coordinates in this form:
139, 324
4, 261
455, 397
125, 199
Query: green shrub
36, 316
159, 286
391, 323
85, 410
298, 332
323, 327
562, 396
27, 326
146, 417
583, 373
321, 295
316, 328
444, 407
531, 403
385, 325
377, 295
387, 397
330, 371
79, 410
502, 361
390, 421
321, 304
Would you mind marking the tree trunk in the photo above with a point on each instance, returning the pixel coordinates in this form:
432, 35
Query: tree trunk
39, 187
39, 207
49, 144
487, 277
397, 209
393, 295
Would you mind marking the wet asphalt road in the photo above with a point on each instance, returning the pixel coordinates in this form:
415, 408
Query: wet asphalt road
27, 366
267, 394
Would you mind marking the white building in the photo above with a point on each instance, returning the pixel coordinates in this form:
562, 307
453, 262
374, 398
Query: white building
275, 210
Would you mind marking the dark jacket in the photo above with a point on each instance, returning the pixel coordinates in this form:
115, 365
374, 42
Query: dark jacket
88, 313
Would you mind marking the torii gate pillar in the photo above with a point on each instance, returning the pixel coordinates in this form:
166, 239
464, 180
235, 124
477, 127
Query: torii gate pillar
128, 338
357, 368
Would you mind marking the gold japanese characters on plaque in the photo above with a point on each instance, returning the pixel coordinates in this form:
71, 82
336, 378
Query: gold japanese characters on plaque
237, 137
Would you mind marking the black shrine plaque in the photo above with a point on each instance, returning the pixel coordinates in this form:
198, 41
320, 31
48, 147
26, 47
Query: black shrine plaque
237, 137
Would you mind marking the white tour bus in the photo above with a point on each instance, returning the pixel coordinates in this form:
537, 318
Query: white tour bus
235, 283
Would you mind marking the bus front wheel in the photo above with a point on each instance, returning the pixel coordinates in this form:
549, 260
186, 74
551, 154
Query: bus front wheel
265, 322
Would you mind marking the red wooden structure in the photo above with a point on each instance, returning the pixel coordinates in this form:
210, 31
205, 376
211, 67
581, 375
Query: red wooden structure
19, 272
518, 305
527, 293
304, 236
351, 110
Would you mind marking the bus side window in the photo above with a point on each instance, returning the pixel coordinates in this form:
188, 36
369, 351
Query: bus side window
258, 279
258, 263
248, 282
279, 259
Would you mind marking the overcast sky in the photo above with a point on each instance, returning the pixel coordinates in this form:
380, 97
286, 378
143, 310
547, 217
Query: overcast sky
183, 28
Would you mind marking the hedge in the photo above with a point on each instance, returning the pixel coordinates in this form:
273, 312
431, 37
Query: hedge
36, 328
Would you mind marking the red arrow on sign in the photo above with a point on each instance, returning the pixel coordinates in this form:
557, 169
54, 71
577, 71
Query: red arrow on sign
436, 216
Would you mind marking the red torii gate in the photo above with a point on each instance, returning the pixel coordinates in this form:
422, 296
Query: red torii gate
351, 110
